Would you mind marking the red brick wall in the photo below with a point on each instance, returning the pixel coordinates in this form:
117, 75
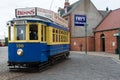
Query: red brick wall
76, 42
109, 40
91, 44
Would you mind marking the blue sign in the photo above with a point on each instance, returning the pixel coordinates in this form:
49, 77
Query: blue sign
79, 20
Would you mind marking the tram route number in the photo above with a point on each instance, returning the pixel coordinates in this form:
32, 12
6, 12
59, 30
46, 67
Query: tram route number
20, 45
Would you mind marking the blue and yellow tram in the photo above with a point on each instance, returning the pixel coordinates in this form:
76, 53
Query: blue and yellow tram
34, 41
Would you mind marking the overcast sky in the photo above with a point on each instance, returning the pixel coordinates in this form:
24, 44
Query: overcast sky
7, 8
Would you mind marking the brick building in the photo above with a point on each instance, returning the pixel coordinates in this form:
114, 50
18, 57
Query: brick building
94, 17
106, 33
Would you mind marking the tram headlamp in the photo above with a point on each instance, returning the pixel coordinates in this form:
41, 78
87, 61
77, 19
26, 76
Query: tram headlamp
19, 52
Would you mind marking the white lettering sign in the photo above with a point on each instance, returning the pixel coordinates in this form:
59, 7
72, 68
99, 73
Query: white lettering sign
80, 18
41, 12
25, 12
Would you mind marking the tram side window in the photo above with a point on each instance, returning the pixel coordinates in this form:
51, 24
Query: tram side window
11, 33
21, 32
54, 35
57, 35
33, 32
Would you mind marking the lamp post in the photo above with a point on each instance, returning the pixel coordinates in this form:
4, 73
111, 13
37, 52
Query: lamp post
119, 42
86, 37
117, 35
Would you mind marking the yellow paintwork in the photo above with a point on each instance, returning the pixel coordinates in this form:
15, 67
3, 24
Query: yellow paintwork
39, 32
62, 35
48, 35
27, 31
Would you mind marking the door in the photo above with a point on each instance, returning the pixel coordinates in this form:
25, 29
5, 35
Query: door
102, 42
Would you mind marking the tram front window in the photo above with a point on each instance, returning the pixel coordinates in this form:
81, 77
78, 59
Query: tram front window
21, 32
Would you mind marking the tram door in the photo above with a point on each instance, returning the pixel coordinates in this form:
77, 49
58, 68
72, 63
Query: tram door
33, 32
37, 32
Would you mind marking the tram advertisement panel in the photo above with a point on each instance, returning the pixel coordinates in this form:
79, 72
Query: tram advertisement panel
26, 12
22, 12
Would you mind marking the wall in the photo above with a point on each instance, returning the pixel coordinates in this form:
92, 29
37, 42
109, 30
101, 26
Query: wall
78, 44
85, 7
93, 18
110, 41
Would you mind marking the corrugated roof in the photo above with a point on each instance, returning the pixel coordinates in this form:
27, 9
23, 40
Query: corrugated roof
112, 21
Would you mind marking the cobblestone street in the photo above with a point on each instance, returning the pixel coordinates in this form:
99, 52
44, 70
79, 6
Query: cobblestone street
78, 67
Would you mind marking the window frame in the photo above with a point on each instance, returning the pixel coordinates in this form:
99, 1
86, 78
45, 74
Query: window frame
23, 32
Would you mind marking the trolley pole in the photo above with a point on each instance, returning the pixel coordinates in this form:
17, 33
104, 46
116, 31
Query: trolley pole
51, 4
86, 37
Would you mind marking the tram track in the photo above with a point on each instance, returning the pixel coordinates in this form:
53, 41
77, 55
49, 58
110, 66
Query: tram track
6, 74
9, 76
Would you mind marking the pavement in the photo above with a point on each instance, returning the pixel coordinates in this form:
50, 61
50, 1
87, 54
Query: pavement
79, 66
115, 57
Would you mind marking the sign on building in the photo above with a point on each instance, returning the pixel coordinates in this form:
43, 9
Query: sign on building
79, 20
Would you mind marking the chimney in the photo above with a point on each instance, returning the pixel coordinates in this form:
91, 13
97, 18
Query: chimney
66, 4
59, 11
107, 9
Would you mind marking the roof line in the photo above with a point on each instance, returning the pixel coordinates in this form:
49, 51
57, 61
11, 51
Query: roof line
75, 5
106, 30
97, 9
103, 19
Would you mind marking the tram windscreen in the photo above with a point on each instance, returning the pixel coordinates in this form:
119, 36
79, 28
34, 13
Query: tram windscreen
21, 32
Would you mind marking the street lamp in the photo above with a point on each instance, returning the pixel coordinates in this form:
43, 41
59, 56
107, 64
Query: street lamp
86, 37
119, 42
117, 51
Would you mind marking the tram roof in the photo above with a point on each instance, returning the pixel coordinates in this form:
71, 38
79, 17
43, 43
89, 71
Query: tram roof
43, 20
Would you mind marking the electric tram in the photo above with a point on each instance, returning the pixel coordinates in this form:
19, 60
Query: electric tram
36, 36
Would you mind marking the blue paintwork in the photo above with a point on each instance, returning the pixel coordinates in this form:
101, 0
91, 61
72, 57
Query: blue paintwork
59, 48
36, 51
33, 52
